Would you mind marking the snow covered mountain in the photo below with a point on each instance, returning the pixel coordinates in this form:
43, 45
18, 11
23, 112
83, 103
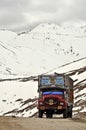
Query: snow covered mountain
46, 49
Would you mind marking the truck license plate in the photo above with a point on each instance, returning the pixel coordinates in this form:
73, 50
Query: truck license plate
59, 107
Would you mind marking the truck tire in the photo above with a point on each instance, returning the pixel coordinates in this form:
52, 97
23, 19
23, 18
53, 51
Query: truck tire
40, 113
65, 114
70, 112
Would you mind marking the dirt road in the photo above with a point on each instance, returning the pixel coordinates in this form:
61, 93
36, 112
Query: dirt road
10, 123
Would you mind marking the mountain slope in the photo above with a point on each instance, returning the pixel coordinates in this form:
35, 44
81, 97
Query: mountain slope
45, 47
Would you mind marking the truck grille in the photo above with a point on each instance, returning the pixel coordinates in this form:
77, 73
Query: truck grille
51, 101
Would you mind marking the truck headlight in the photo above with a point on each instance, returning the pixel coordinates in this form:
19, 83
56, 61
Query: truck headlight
40, 103
61, 103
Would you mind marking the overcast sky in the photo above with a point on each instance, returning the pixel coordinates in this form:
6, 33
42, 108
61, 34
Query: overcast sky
20, 15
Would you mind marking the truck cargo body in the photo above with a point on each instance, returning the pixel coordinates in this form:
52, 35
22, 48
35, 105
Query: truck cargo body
55, 95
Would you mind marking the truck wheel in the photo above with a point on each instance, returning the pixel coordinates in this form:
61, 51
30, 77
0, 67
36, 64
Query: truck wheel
70, 114
40, 113
65, 114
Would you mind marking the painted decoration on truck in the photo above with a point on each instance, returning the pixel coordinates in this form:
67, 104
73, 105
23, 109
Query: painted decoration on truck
60, 80
45, 81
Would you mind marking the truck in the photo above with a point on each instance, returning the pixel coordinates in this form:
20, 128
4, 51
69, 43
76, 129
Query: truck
55, 95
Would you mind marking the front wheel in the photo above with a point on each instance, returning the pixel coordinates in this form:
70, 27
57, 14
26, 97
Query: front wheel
40, 113
65, 114
70, 112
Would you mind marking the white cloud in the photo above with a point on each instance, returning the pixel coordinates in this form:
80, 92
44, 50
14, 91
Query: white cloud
15, 14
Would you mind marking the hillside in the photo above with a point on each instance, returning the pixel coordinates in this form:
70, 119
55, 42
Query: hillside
40, 48
46, 49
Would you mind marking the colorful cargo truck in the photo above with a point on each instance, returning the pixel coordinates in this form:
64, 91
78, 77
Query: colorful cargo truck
55, 95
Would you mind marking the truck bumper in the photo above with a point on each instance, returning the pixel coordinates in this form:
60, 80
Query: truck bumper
52, 108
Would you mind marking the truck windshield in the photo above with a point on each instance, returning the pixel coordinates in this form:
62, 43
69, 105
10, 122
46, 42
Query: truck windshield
53, 93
